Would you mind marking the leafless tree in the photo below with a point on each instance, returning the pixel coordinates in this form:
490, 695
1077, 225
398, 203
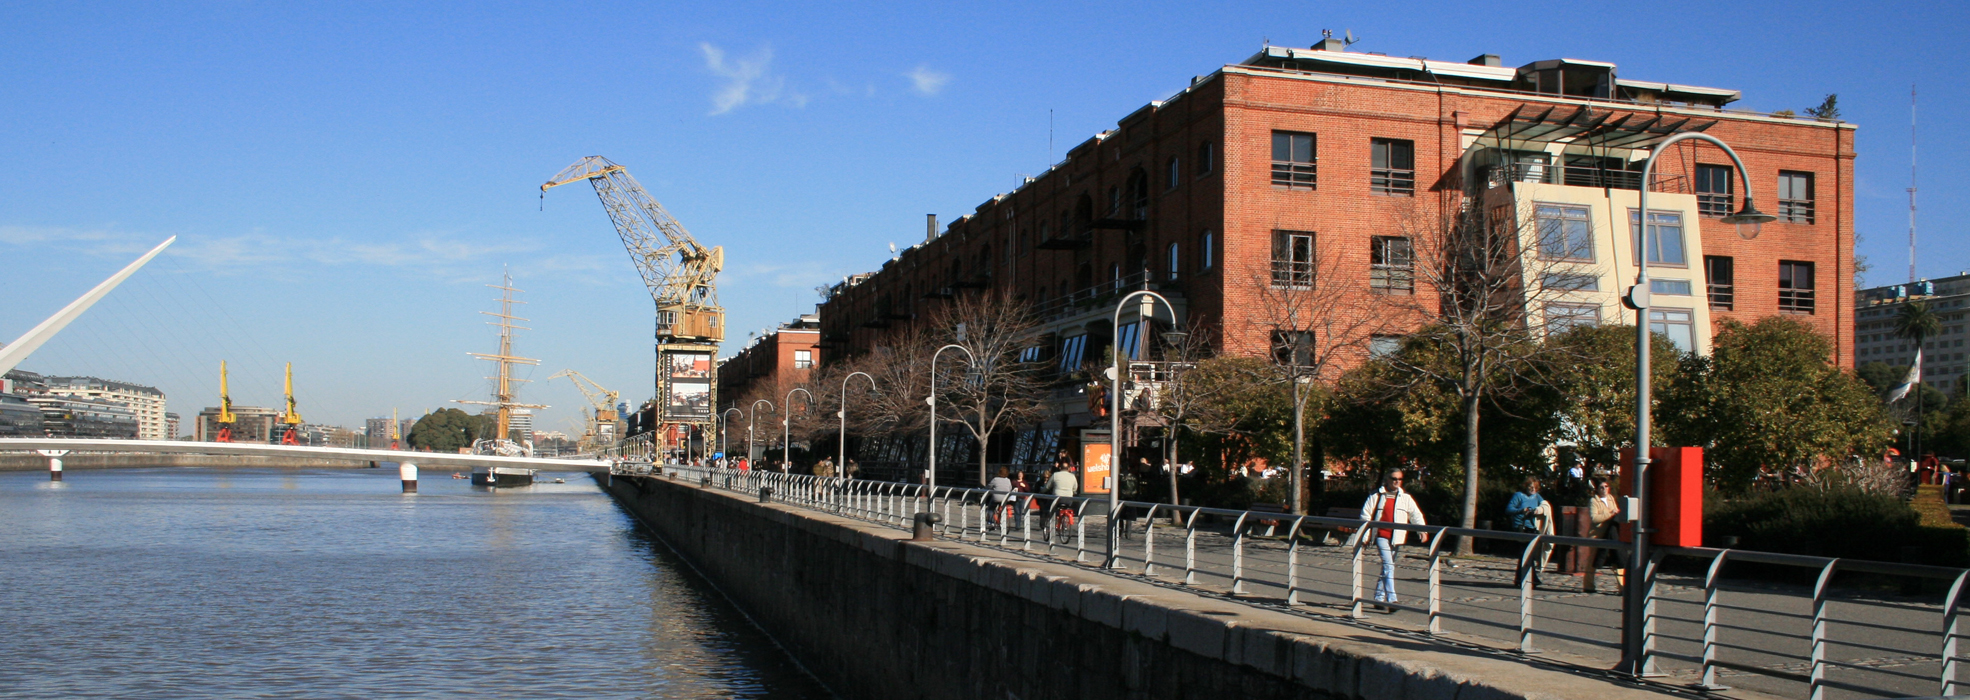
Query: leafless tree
1173, 394
1002, 385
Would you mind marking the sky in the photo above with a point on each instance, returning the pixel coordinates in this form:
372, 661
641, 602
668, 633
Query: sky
343, 178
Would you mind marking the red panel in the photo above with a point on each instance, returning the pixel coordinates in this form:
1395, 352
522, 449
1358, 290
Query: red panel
1675, 494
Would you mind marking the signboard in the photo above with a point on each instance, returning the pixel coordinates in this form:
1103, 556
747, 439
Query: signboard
687, 380
1096, 464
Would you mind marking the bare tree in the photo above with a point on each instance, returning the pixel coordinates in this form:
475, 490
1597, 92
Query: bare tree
1172, 393
1002, 386
1311, 314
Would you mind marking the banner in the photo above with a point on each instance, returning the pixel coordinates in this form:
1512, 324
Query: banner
688, 381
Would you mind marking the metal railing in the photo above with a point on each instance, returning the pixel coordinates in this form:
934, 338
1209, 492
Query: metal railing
1582, 176
1705, 625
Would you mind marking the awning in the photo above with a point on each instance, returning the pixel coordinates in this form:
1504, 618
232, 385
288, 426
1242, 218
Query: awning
1586, 125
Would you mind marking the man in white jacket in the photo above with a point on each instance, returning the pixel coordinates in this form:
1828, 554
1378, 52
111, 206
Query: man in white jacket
1390, 505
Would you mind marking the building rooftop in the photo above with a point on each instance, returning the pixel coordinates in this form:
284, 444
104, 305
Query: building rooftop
1570, 77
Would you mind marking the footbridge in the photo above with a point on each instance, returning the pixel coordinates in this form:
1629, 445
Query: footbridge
55, 449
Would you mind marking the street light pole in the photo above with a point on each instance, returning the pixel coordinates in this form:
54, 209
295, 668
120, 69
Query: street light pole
751, 415
841, 467
725, 436
1634, 657
1145, 313
786, 428
931, 475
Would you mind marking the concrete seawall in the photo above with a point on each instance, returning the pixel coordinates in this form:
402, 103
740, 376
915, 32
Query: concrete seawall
878, 617
83, 460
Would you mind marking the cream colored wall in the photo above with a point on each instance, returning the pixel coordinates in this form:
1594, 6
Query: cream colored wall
1614, 260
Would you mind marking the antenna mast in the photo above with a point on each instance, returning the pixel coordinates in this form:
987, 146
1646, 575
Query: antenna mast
1911, 183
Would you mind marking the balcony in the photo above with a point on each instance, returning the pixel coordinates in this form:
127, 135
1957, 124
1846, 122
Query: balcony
1582, 176
1082, 300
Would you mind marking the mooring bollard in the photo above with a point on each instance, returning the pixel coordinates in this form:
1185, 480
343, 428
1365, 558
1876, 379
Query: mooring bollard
925, 526
408, 472
765, 494
54, 463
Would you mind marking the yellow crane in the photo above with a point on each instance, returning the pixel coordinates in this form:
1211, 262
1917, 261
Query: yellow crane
682, 277
290, 417
602, 419
225, 418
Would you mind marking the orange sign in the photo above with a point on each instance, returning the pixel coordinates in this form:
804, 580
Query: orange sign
1096, 467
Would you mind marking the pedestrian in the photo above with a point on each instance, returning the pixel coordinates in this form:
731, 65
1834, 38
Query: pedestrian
1391, 504
1525, 512
1605, 512
1020, 483
851, 469
824, 468
1001, 487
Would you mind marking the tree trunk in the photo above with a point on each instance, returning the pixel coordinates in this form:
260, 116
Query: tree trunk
984, 439
1471, 397
1172, 464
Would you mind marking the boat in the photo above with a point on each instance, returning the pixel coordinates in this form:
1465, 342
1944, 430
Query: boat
503, 477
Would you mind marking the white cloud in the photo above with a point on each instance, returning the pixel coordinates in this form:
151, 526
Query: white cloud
747, 81
926, 81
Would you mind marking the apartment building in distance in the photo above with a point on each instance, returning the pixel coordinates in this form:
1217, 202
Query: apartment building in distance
771, 363
1945, 358
1310, 167
146, 403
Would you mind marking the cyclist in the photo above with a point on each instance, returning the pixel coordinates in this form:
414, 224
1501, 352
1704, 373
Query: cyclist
1064, 484
1001, 486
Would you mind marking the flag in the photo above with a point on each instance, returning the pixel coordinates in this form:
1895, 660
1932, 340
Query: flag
1914, 375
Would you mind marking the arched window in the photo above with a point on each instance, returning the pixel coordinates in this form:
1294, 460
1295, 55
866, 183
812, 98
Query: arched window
1138, 194
1083, 222
1205, 251
1115, 276
1114, 201
1175, 266
1203, 165
1173, 174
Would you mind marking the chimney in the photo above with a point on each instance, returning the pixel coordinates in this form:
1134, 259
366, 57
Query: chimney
1490, 59
929, 227
1330, 44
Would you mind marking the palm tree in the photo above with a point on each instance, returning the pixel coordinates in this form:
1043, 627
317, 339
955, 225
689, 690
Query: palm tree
1917, 322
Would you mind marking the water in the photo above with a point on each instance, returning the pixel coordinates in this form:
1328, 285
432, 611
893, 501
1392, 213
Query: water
329, 583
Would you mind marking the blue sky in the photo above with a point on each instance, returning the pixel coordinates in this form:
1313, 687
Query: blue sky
344, 177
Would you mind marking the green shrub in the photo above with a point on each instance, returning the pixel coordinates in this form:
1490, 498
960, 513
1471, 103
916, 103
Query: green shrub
1830, 523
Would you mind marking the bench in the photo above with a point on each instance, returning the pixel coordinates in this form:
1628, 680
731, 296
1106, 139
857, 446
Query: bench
1271, 525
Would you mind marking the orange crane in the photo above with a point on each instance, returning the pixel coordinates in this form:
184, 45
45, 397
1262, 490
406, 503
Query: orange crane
290, 417
226, 417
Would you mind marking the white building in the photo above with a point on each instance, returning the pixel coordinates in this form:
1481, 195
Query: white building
1944, 356
146, 402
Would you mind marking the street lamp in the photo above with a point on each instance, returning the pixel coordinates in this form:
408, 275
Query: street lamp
931, 476
841, 467
724, 436
751, 413
1145, 313
1749, 221
786, 428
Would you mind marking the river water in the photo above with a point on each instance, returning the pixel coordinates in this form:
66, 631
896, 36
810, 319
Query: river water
222, 583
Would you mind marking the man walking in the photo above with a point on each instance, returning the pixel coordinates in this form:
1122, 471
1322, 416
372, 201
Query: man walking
1391, 504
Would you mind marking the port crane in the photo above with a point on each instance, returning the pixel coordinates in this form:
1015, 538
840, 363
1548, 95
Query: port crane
290, 417
681, 275
225, 418
602, 418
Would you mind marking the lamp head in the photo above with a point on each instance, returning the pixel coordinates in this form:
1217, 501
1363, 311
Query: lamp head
1175, 338
1749, 221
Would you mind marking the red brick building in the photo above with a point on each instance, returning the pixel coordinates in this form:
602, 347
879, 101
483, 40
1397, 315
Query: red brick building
771, 364
1254, 172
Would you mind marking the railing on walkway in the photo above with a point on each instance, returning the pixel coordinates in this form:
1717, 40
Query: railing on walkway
1297, 561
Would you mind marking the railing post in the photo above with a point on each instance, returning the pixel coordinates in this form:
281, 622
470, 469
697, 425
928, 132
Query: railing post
1238, 555
1026, 525
1949, 633
1527, 575
1149, 541
1819, 630
1190, 548
1293, 562
1710, 600
1081, 530
1354, 591
1436, 583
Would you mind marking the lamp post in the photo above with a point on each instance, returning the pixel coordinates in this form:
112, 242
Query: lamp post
1145, 313
1748, 221
931, 476
724, 436
751, 414
841, 467
786, 428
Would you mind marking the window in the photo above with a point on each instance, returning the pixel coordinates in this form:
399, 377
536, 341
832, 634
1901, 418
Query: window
1292, 259
803, 359
1384, 345
1718, 275
1713, 190
1665, 234
1131, 337
1795, 287
1292, 160
1570, 282
1175, 264
1032, 354
1070, 352
1293, 348
1795, 197
1561, 318
1203, 165
1204, 252
1675, 324
1564, 232
1680, 288
1174, 174
1392, 265
1392, 167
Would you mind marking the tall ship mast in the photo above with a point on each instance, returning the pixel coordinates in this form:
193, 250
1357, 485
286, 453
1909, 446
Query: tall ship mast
505, 395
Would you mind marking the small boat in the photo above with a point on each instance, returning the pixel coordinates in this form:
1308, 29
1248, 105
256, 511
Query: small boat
503, 476
456, 475
559, 480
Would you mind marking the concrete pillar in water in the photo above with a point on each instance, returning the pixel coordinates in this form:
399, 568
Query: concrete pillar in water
408, 472
54, 463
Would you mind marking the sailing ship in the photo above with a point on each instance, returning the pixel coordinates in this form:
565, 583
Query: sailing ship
504, 395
